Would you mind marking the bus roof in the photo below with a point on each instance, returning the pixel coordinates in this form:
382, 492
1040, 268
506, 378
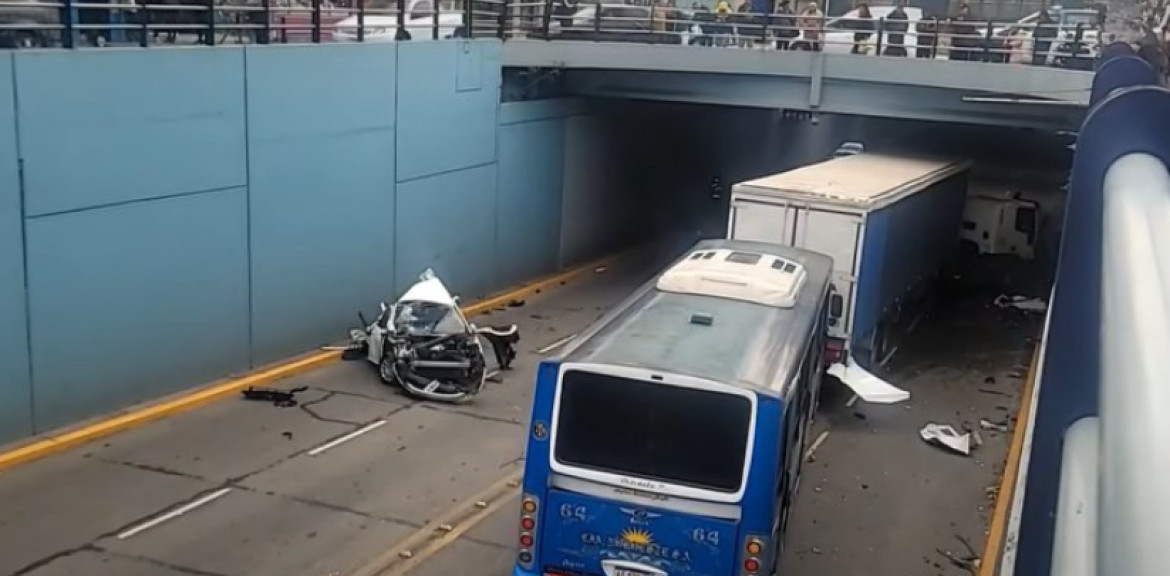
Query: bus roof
859, 181
724, 338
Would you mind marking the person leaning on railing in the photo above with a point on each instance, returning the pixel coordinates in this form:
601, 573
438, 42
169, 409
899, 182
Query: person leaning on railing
897, 23
926, 32
784, 24
863, 28
965, 37
810, 22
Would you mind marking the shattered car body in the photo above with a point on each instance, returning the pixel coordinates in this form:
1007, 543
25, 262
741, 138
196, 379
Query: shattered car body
424, 343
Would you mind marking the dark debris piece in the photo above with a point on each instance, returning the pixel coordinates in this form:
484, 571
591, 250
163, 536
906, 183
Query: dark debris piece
280, 398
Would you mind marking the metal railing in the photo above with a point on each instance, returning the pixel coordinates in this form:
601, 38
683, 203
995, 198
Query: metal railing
71, 23
1135, 343
1070, 45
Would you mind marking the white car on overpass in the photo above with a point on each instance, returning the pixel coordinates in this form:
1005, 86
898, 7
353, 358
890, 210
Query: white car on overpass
379, 26
838, 34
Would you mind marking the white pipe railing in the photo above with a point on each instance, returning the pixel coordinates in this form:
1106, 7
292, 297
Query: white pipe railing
1133, 532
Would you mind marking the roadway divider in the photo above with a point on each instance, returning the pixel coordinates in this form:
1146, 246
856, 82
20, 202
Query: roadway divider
61, 440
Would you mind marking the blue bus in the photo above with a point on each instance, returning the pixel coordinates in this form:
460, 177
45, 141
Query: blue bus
667, 438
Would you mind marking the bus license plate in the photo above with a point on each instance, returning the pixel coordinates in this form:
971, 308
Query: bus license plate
628, 572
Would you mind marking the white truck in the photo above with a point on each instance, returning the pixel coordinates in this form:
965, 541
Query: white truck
888, 222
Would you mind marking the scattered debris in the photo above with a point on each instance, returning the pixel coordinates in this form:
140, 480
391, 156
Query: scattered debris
986, 424
990, 391
808, 455
869, 387
536, 316
816, 549
946, 436
989, 380
1021, 303
889, 355
515, 303
859, 415
288, 435
600, 269
481, 504
280, 398
494, 376
446, 527
405, 554
852, 401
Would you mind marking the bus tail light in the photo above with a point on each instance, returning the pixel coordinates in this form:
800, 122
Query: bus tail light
834, 351
755, 550
529, 512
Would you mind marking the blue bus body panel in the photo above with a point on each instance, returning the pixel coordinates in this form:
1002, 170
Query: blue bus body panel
580, 532
905, 245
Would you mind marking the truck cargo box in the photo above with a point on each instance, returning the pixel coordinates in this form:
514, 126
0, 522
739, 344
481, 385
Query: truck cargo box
888, 222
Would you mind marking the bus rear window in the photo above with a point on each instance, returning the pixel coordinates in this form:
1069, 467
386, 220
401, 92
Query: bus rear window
652, 430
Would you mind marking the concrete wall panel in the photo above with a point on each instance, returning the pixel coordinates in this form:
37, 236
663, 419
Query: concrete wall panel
528, 211
102, 127
15, 407
134, 301
445, 222
321, 176
448, 98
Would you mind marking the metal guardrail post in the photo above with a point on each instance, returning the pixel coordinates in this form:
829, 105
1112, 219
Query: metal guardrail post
435, 22
316, 21
546, 19
500, 32
469, 19
1135, 342
934, 39
987, 42
67, 22
597, 21
361, 20
144, 26
400, 19
211, 22
881, 28
266, 32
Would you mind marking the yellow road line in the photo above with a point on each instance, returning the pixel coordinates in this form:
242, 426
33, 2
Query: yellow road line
443, 531
63, 440
988, 565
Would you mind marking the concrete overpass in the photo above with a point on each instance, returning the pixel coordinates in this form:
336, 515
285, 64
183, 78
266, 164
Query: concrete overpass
921, 89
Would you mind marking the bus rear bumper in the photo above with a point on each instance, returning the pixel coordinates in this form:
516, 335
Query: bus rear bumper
518, 571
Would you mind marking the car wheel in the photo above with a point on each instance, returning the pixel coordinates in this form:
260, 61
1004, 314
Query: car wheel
386, 370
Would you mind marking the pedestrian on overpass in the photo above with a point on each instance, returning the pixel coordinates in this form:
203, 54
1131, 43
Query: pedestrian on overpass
810, 22
863, 28
785, 25
897, 23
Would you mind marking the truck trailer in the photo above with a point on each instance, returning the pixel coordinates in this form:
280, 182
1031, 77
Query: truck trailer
889, 223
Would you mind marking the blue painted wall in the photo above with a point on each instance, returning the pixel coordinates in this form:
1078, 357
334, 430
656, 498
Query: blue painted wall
321, 174
15, 390
190, 213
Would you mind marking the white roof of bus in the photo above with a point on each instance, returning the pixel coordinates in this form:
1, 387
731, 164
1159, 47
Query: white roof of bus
860, 181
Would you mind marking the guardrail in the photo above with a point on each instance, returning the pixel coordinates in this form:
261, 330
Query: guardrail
72, 23
1093, 500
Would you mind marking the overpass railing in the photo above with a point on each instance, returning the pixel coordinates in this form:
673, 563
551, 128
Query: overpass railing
1065, 42
1091, 499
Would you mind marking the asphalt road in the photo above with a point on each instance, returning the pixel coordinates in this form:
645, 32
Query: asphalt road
246, 489
359, 478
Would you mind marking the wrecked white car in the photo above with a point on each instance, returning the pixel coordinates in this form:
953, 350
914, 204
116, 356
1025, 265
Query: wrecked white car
425, 344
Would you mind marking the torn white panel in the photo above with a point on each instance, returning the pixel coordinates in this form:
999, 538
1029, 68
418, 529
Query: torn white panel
429, 289
945, 435
1021, 303
867, 386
